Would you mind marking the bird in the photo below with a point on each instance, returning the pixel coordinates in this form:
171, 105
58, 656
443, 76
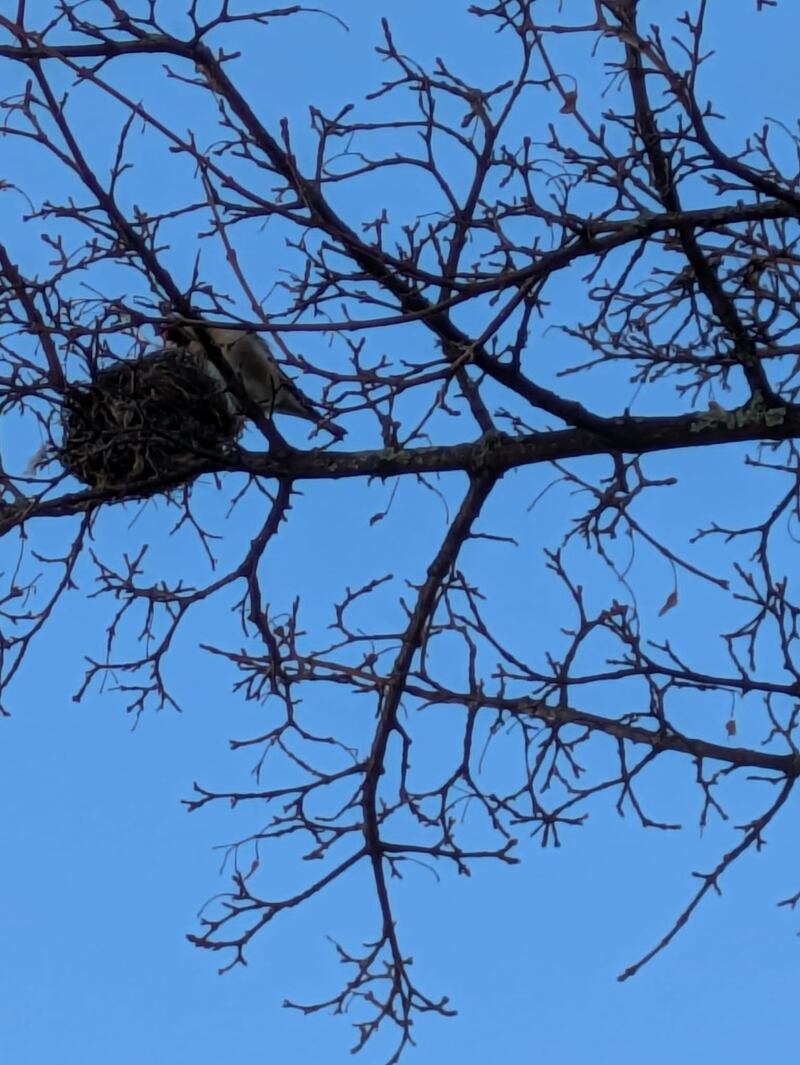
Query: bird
251, 359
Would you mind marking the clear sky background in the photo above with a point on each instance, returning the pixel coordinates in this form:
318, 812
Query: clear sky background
103, 870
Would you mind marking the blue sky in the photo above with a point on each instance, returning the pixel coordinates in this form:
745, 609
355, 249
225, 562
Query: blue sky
104, 871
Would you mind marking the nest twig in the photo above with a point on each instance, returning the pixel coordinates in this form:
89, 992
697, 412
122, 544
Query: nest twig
141, 420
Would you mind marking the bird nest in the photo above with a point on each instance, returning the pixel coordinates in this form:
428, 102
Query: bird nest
146, 422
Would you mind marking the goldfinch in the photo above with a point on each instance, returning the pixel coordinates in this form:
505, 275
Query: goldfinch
250, 358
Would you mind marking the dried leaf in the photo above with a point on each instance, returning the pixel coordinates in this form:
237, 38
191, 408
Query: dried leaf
672, 601
570, 103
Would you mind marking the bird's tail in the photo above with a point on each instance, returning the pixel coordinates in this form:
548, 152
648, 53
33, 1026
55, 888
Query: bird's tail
289, 400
